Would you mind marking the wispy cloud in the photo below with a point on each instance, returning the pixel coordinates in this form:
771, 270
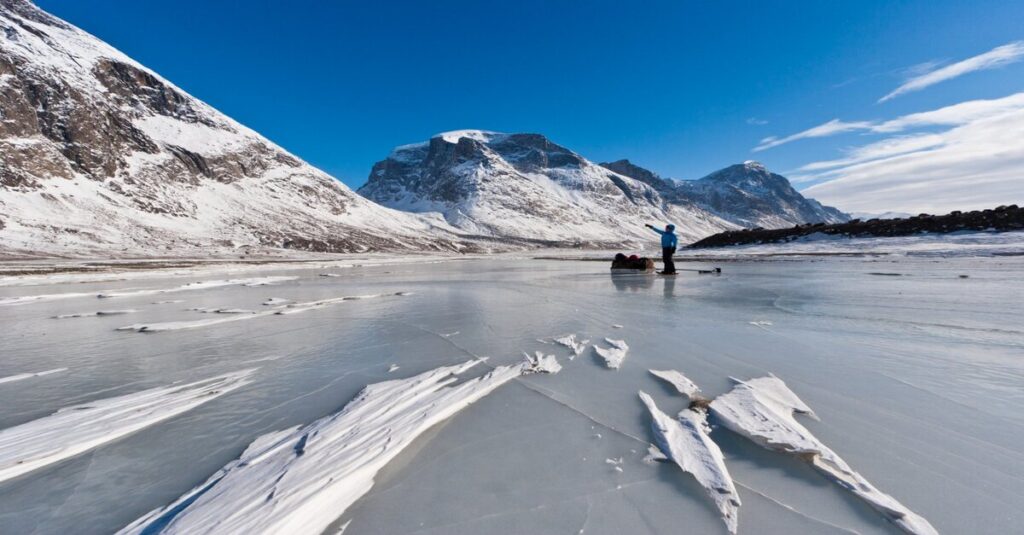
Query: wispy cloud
754, 121
997, 57
833, 127
975, 162
956, 114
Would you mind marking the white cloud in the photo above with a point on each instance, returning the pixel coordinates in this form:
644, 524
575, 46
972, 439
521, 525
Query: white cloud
976, 162
997, 57
953, 115
835, 126
754, 121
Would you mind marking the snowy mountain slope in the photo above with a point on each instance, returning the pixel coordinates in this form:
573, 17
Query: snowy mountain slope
746, 194
100, 156
524, 186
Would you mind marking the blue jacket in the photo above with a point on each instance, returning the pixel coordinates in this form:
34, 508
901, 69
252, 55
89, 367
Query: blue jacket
668, 238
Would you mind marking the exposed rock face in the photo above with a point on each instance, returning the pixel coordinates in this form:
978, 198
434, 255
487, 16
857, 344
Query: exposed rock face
99, 155
746, 194
1001, 219
523, 186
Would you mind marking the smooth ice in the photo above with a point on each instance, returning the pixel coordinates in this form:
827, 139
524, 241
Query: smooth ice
917, 380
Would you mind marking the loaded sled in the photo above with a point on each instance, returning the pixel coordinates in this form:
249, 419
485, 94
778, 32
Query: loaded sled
632, 263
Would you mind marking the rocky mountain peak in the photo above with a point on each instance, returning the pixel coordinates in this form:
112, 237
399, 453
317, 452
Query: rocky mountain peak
100, 155
746, 194
523, 185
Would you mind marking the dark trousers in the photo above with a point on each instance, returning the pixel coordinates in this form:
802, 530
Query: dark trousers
666, 258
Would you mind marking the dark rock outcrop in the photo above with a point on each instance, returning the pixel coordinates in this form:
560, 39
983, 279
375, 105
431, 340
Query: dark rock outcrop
1001, 219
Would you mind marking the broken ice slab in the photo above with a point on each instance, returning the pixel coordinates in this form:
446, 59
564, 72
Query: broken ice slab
300, 480
80, 428
570, 341
682, 383
685, 441
613, 356
762, 410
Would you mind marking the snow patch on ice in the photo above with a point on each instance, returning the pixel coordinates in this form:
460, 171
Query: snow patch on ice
203, 285
97, 313
613, 356
215, 310
762, 410
25, 299
686, 442
300, 480
232, 315
77, 429
22, 376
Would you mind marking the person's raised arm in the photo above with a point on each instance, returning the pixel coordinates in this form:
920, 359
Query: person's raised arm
655, 229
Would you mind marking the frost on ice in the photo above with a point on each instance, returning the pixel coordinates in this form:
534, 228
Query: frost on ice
77, 429
570, 341
685, 442
762, 410
299, 480
613, 356
682, 383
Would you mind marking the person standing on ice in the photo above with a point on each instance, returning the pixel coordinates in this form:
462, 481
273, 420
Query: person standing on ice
669, 241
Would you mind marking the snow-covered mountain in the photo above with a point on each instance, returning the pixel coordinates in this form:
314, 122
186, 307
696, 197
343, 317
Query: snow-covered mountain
524, 186
99, 155
745, 194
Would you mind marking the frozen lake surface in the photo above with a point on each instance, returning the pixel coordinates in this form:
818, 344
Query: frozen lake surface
915, 373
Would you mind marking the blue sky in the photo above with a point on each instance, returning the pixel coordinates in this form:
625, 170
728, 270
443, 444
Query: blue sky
681, 87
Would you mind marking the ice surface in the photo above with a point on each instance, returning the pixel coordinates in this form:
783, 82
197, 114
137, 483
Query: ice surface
613, 356
682, 383
80, 428
23, 376
685, 441
918, 379
300, 480
762, 410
